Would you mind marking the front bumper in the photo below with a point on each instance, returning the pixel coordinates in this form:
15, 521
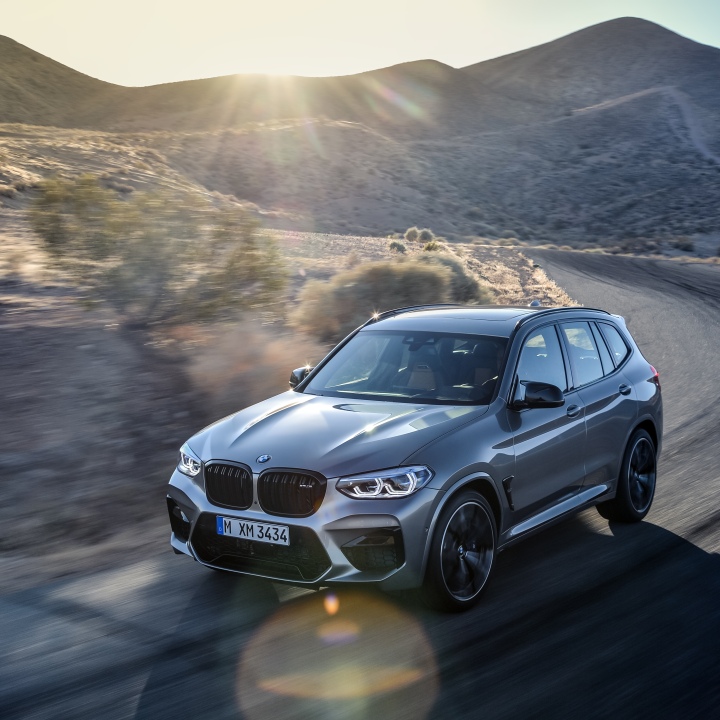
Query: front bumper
346, 541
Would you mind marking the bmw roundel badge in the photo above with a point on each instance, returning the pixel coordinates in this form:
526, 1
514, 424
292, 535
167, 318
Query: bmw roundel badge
263, 458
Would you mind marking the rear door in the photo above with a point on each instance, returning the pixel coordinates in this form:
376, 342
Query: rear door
609, 400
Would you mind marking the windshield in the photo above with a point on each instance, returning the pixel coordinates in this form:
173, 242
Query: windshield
440, 368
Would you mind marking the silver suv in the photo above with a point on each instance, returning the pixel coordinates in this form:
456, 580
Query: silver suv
427, 441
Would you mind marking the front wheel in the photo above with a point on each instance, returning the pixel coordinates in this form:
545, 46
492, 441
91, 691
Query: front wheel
462, 553
636, 484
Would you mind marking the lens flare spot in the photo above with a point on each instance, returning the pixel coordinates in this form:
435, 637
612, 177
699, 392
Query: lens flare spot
344, 683
338, 632
367, 661
332, 604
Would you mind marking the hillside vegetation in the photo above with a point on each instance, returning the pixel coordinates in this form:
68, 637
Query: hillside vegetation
157, 257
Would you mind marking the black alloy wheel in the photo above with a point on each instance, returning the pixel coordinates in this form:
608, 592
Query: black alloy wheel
462, 553
641, 475
636, 484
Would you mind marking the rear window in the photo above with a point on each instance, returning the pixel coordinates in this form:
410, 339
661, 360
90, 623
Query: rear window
618, 346
607, 363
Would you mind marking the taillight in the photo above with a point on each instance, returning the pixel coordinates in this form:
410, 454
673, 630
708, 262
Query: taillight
655, 377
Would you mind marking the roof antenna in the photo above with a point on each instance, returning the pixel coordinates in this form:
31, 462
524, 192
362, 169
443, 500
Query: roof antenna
535, 303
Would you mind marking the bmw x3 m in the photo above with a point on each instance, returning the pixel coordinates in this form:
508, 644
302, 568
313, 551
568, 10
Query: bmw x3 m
427, 441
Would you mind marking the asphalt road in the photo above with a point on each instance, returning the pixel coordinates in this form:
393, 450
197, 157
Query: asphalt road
584, 620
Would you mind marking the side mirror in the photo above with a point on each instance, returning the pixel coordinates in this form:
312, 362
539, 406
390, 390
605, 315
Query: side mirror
531, 394
298, 375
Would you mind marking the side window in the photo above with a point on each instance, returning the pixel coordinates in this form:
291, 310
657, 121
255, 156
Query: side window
618, 348
541, 359
584, 356
607, 362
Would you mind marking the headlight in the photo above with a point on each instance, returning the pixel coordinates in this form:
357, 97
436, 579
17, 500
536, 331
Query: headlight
189, 463
394, 483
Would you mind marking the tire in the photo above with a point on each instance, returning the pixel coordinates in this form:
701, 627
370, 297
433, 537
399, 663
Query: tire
462, 554
636, 484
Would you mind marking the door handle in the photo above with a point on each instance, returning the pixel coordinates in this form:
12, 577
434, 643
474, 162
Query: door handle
573, 410
625, 389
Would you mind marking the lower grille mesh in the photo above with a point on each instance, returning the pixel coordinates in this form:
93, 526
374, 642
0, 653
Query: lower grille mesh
304, 559
379, 550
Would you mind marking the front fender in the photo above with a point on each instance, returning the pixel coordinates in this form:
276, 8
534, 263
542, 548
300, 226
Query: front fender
483, 483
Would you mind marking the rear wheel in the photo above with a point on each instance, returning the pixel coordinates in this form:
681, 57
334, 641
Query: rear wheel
462, 553
636, 484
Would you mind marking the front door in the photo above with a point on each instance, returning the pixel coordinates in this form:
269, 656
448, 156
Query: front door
549, 442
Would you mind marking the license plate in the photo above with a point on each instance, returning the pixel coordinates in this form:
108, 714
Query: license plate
260, 532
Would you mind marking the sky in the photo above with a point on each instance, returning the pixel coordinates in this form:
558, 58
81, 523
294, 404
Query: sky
144, 42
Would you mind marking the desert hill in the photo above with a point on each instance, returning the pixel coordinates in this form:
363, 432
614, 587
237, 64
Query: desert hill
418, 95
610, 60
36, 90
588, 67
608, 134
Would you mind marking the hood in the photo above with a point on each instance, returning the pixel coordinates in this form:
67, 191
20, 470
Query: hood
329, 435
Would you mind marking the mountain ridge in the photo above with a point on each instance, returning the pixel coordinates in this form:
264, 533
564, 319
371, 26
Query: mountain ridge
423, 97
606, 134
614, 58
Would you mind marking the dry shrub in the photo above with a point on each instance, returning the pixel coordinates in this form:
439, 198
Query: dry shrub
330, 310
157, 257
464, 286
415, 234
411, 234
684, 244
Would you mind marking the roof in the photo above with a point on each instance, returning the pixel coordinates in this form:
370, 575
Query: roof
495, 320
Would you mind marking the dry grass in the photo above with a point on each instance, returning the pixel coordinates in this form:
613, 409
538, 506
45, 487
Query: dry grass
514, 278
